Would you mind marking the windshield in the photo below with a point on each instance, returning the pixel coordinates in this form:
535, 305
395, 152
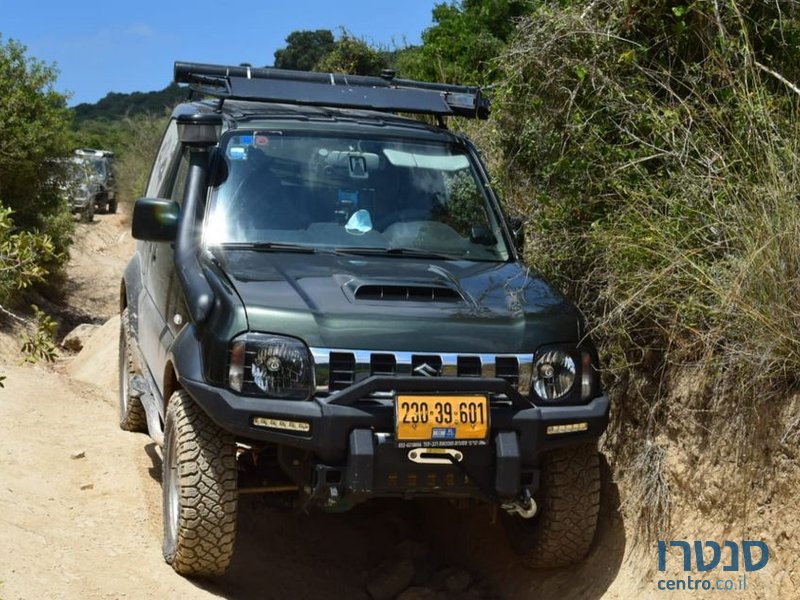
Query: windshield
70, 172
99, 167
351, 194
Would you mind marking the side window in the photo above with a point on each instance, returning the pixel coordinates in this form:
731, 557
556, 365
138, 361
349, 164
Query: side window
179, 181
164, 165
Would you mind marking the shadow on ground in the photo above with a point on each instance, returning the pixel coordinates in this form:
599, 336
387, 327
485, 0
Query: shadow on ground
283, 554
482, 549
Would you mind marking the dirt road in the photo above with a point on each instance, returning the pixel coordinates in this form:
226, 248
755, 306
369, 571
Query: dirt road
80, 499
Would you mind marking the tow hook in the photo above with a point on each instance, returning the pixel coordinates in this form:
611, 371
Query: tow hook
525, 507
435, 456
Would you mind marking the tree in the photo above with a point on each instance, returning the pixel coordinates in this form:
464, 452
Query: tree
34, 134
304, 49
352, 55
119, 106
466, 37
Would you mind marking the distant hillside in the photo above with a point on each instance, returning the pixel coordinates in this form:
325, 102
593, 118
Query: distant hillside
115, 106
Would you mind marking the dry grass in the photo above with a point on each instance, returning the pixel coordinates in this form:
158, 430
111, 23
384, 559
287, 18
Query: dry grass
661, 191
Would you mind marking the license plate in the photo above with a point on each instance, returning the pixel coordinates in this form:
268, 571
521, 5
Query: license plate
441, 420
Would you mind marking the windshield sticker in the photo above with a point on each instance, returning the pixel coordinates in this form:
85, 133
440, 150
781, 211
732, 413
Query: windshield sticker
237, 153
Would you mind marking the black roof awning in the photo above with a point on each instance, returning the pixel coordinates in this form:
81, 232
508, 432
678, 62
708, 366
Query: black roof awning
384, 93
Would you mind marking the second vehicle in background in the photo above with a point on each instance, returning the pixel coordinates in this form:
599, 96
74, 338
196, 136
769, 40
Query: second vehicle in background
102, 163
80, 187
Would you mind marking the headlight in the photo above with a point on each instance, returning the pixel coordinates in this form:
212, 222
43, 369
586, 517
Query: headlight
272, 365
553, 374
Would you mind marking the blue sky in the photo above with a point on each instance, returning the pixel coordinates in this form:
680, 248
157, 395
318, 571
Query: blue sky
130, 46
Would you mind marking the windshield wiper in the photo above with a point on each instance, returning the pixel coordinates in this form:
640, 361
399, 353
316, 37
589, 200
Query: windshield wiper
276, 246
410, 252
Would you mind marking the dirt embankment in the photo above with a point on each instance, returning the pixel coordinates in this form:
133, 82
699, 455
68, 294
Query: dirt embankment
80, 500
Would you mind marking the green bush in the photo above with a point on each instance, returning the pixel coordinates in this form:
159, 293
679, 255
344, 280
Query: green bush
304, 49
352, 55
33, 135
140, 138
463, 41
22, 256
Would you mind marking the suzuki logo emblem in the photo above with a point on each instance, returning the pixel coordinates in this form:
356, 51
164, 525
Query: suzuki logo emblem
426, 370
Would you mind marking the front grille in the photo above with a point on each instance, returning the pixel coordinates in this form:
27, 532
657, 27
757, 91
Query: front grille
507, 367
338, 369
469, 366
382, 364
342, 370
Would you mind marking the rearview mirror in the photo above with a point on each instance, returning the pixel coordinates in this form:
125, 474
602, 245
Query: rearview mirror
155, 220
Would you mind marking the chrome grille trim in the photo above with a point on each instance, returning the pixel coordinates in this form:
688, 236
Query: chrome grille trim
405, 360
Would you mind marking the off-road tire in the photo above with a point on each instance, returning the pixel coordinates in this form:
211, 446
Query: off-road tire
112, 206
131, 412
101, 202
87, 214
568, 504
200, 490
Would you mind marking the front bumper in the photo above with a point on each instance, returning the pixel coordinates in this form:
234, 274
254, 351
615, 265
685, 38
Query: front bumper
79, 204
351, 433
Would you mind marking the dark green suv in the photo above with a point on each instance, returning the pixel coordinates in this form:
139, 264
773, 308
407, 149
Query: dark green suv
326, 304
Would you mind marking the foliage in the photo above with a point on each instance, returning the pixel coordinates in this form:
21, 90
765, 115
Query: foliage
352, 55
22, 256
319, 51
98, 133
33, 139
140, 138
33, 135
39, 341
116, 106
653, 146
408, 63
304, 49
464, 39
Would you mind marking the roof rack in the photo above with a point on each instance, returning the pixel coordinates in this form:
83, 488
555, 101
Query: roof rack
384, 93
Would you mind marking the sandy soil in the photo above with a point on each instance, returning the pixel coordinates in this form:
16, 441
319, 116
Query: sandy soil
80, 500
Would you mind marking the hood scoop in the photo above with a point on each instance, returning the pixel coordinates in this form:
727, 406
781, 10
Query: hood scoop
406, 293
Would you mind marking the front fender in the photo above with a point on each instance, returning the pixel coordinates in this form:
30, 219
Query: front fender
129, 294
185, 357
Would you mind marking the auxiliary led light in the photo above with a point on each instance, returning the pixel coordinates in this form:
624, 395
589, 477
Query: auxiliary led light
282, 424
568, 428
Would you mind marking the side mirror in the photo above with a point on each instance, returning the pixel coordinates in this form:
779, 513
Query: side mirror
155, 220
516, 224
